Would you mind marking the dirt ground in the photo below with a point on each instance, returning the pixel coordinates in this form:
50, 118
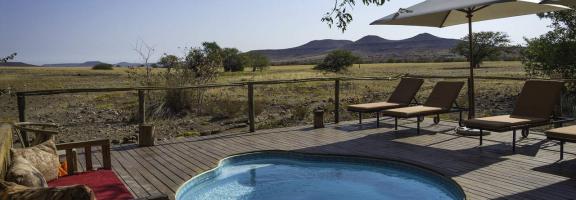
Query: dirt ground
112, 115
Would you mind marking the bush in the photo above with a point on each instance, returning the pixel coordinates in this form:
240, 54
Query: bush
553, 53
337, 61
487, 46
103, 66
232, 60
257, 61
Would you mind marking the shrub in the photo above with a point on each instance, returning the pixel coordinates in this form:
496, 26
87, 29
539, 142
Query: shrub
487, 46
257, 61
232, 60
337, 61
553, 53
103, 66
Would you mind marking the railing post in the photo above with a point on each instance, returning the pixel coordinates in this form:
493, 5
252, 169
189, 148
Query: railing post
21, 103
142, 106
251, 112
337, 101
106, 157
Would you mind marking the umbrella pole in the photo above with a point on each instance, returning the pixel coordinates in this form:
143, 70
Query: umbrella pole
471, 102
471, 105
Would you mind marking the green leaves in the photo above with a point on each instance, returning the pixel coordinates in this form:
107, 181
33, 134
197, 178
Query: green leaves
233, 61
487, 45
553, 53
341, 14
7, 58
337, 61
257, 61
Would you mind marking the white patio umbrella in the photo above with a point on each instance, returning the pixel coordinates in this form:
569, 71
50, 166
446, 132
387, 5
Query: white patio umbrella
443, 13
569, 3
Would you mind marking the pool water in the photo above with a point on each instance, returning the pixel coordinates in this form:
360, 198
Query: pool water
281, 175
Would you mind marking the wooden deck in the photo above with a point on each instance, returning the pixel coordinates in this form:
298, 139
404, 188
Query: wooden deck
488, 172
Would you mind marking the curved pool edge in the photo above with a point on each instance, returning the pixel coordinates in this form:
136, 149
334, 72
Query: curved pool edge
314, 156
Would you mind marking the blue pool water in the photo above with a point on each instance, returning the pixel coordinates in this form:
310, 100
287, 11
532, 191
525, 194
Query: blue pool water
281, 175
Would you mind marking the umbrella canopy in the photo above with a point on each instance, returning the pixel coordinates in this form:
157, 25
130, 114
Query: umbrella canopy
569, 3
443, 13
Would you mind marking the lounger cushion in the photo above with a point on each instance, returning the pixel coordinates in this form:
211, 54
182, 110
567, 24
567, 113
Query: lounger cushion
372, 107
501, 122
568, 133
412, 111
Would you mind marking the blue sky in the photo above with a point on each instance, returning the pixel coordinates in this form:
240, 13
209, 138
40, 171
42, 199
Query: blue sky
58, 31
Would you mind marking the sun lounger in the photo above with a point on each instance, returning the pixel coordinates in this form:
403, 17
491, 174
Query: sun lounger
402, 96
564, 134
440, 101
534, 107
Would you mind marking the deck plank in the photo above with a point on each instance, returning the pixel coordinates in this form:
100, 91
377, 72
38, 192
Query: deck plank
488, 172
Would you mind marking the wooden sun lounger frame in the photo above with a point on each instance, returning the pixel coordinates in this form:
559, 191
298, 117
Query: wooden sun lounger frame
525, 128
419, 118
552, 117
414, 102
561, 142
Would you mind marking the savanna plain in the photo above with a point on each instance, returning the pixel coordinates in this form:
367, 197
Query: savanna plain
113, 115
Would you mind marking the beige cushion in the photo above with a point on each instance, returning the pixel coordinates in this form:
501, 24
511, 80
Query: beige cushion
568, 133
501, 122
23, 173
402, 96
369, 107
14, 191
412, 111
43, 157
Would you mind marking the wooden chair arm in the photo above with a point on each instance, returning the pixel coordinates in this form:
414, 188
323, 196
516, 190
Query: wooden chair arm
87, 145
37, 131
22, 129
52, 125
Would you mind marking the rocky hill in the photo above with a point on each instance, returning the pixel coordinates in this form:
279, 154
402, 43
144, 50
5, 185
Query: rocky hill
85, 64
16, 64
423, 47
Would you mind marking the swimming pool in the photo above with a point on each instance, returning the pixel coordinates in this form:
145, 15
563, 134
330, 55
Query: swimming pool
287, 175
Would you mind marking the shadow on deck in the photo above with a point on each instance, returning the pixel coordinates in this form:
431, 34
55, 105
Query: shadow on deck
488, 172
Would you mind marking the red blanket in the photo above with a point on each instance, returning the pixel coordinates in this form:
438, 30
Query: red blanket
104, 183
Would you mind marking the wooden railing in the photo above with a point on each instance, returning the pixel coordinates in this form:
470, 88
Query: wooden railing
21, 96
104, 145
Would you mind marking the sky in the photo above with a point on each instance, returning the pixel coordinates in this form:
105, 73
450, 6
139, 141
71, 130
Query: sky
64, 31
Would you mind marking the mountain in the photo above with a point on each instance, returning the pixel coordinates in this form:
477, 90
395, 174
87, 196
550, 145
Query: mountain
92, 63
370, 48
371, 39
127, 64
310, 49
85, 64
16, 64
